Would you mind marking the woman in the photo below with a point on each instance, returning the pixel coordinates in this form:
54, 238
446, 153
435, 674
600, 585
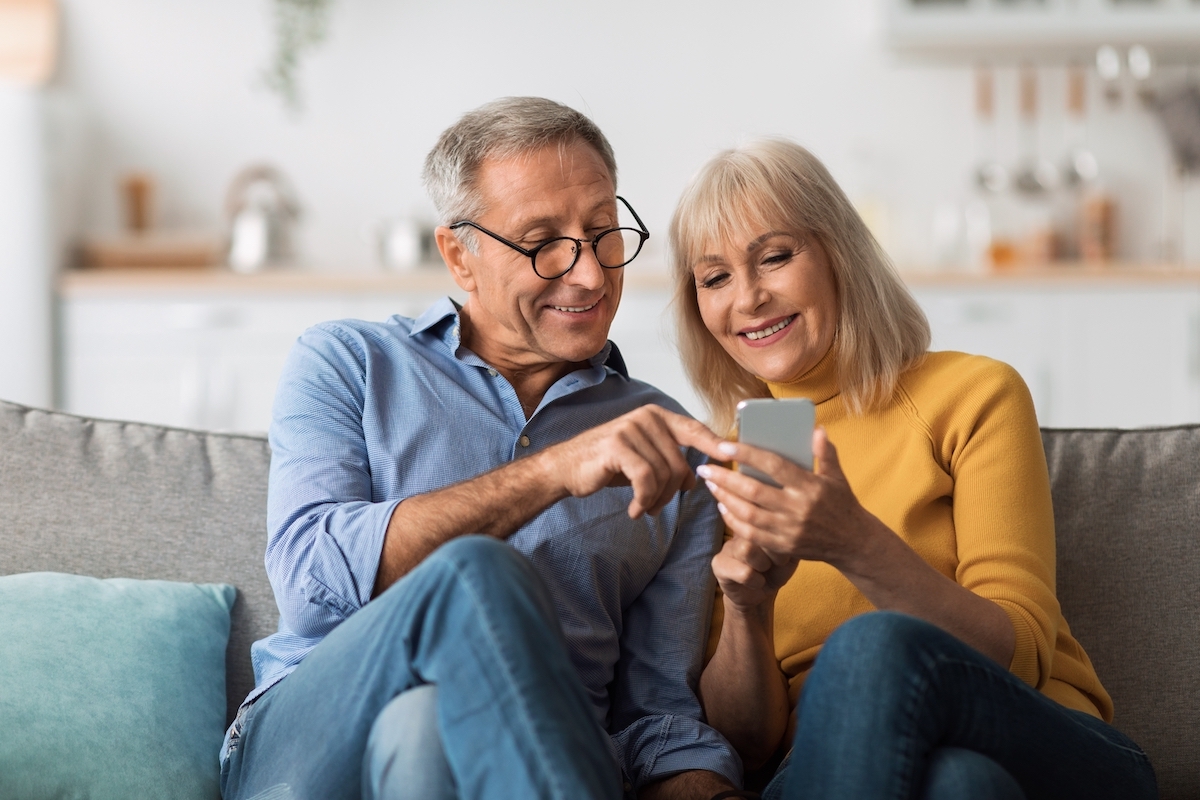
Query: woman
933, 512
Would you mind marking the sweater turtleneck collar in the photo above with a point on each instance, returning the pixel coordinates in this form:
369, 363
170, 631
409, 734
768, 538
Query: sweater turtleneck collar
818, 384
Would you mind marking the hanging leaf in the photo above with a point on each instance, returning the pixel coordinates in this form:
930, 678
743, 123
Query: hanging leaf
300, 25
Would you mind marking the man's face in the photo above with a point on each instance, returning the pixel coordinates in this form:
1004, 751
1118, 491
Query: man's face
517, 320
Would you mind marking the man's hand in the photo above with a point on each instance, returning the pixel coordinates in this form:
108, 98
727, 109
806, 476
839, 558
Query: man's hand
639, 449
748, 575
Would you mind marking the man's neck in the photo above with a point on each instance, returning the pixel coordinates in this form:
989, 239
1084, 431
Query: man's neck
530, 378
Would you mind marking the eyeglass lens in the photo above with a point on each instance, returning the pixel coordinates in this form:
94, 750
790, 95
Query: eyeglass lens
614, 249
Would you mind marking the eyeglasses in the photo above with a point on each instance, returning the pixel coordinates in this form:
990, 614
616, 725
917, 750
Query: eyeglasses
553, 258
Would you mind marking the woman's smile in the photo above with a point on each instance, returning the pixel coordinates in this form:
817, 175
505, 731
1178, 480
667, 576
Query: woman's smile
766, 334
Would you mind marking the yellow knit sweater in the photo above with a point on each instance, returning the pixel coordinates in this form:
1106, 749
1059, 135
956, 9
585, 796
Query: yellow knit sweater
954, 465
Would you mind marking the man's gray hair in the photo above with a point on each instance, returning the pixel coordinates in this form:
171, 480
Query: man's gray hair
504, 128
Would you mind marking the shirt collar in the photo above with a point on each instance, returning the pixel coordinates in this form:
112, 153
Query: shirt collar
445, 309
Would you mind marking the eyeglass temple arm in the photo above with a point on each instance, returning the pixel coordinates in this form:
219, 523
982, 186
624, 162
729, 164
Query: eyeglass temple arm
638, 219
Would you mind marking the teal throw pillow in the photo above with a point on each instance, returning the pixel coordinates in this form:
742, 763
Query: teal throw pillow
111, 688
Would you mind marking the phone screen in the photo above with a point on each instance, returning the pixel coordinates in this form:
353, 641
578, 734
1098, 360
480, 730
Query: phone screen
784, 427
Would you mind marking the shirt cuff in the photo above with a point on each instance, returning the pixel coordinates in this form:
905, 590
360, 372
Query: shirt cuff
656, 747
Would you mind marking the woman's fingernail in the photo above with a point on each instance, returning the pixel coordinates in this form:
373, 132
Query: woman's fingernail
703, 471
712, 487
727, 448
721, 507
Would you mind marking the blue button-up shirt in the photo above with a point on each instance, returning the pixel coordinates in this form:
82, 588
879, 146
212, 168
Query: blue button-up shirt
368, 414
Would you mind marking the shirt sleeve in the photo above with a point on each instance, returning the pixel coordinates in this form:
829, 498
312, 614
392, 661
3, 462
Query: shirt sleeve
656, 720
1003, 513
325, 532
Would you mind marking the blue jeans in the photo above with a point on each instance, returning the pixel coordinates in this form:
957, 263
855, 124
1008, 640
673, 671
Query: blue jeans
474, 619
897, 708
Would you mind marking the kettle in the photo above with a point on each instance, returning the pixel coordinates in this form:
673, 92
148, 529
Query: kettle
262, 209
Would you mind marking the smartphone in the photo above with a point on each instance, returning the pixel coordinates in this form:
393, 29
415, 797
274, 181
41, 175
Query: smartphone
785, 427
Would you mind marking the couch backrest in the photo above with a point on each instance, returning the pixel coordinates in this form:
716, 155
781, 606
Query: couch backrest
120, 499
1127, 516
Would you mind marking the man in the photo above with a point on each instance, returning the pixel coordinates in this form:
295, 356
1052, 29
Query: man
511, 417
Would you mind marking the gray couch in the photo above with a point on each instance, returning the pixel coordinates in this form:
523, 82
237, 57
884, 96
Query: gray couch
123, 499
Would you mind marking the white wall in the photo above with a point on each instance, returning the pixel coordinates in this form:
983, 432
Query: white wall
173, 88
26, 265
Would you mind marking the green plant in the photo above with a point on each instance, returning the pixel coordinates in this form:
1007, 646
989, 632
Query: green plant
300, 25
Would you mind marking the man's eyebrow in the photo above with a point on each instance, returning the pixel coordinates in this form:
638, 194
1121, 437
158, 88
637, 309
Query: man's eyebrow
524, 225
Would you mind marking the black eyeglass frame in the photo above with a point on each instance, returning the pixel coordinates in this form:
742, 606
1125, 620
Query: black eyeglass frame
531, 253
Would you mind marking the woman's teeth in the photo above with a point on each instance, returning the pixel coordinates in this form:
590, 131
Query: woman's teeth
776, 328
576, 309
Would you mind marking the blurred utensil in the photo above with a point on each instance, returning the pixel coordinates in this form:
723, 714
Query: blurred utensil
401, 243
1141, 68
990, 175
1036, 175
1108, 67
1080, 167
261, 208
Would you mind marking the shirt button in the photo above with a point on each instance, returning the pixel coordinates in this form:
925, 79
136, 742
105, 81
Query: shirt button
492, 372
523, 441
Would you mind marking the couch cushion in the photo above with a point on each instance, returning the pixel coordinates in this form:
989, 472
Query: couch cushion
119, 499
112, 689
1127, 516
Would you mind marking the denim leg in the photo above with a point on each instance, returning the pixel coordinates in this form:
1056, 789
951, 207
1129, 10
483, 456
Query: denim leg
405, 759
954, 774
888, 690
473, 619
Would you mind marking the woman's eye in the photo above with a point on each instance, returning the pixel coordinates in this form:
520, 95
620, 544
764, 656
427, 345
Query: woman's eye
777, 258
712, 281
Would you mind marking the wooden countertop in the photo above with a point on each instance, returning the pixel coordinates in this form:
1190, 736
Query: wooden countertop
435, 279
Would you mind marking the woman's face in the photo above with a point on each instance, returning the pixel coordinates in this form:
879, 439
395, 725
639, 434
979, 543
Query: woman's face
769, 298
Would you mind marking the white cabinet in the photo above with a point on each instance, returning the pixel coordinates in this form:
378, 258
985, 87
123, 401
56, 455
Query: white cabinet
1113, 355
203, 359
208, 353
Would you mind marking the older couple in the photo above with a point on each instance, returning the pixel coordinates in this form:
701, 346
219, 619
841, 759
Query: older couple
495, 553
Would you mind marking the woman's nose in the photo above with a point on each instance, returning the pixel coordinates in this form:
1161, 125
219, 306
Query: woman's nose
749, 296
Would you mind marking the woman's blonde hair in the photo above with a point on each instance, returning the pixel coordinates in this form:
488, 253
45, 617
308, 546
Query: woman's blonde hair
775, 184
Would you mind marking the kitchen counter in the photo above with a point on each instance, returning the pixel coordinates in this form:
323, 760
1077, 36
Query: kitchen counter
434, 278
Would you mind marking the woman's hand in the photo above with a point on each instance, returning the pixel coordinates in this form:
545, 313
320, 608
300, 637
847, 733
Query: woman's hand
814, 516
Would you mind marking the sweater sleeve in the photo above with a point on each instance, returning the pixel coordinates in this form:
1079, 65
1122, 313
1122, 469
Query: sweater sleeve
1003, 515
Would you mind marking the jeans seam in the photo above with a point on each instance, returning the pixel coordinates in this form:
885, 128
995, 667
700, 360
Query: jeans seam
918, 690
487, 625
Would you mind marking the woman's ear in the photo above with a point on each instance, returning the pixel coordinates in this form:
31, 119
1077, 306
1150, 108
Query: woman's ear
457, 257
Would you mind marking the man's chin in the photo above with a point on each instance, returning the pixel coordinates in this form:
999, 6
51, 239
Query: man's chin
576, 349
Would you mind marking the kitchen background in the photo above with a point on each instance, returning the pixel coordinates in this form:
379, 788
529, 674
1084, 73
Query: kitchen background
1032, 186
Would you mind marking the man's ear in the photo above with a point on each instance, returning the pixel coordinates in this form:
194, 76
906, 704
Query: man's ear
456, 255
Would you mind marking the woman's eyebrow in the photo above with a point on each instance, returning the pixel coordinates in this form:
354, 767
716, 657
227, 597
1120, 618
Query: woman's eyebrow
763, 238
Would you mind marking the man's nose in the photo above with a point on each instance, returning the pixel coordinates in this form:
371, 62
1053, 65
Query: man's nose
587, 272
